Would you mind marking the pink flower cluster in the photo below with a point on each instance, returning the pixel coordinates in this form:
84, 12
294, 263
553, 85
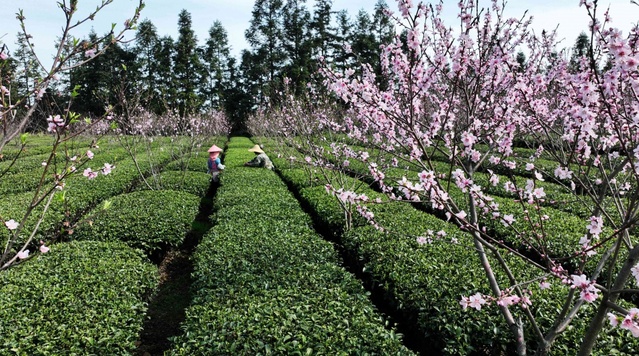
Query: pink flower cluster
630, 322
55, 123
105, 170
588, 292
506, 299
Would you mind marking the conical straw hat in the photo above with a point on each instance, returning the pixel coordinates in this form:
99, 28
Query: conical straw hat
256, 149
214, 148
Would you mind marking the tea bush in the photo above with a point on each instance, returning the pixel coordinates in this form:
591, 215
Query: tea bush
80, 298
150, 219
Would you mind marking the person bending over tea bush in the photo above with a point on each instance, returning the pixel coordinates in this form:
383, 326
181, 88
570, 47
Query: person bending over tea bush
260, 160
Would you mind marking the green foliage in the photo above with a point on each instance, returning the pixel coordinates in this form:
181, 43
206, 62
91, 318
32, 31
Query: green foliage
196, 183
264, 282
80, 298
150, 220
195, 163
287, 322
425, 283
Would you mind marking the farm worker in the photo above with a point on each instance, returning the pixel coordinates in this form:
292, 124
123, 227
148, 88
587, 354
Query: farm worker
260, 160
214, 163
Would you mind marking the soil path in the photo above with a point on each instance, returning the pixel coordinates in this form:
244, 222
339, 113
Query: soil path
167, 308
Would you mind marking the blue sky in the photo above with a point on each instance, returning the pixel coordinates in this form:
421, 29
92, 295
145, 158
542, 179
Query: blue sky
44, 19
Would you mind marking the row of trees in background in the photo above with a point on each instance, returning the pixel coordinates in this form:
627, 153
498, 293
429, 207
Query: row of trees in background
162, 75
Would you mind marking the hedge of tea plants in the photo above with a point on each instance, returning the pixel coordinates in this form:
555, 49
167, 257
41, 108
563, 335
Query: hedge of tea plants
266, 283
81, 194
196, 183
567, 228
151, 219
424, 283
88, 296
80, 298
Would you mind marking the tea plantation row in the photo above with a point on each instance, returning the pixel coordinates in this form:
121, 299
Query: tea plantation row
266, 283
424, 283
88, 294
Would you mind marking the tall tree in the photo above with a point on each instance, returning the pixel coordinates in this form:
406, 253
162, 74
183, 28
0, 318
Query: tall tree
27, 74
166, 88
265, 37
147, 40
580, 50
321, 30
342, 40
187, 67
297, 44
104, 80
216, 55
87, 81
241, 93
383, 27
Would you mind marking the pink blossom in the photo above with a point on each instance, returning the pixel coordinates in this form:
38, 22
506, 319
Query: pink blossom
461, 215
464, 302
89, 154
476, 301
89, 173
468, 139
54, 122
509, 164
544, 285
90, 53
107, 169
507, 300
635, 272
596, 225
580, 281
494, 180
539, 193
613, 319
508, 220
563, 173
589, 295
23, 254
422, 240
530, 166
630, 322
3, 56
44, 248
11, 224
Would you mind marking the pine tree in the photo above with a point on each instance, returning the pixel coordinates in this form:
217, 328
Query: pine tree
88, 81
166, 88
321, 30
216, 55
27, 74
581, 49
364, 43
382, 25
265, 37
297, 44
521, 61
147, 41
343, 37
187, 67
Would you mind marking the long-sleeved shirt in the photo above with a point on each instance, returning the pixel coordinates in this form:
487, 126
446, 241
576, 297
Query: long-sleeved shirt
261, 160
